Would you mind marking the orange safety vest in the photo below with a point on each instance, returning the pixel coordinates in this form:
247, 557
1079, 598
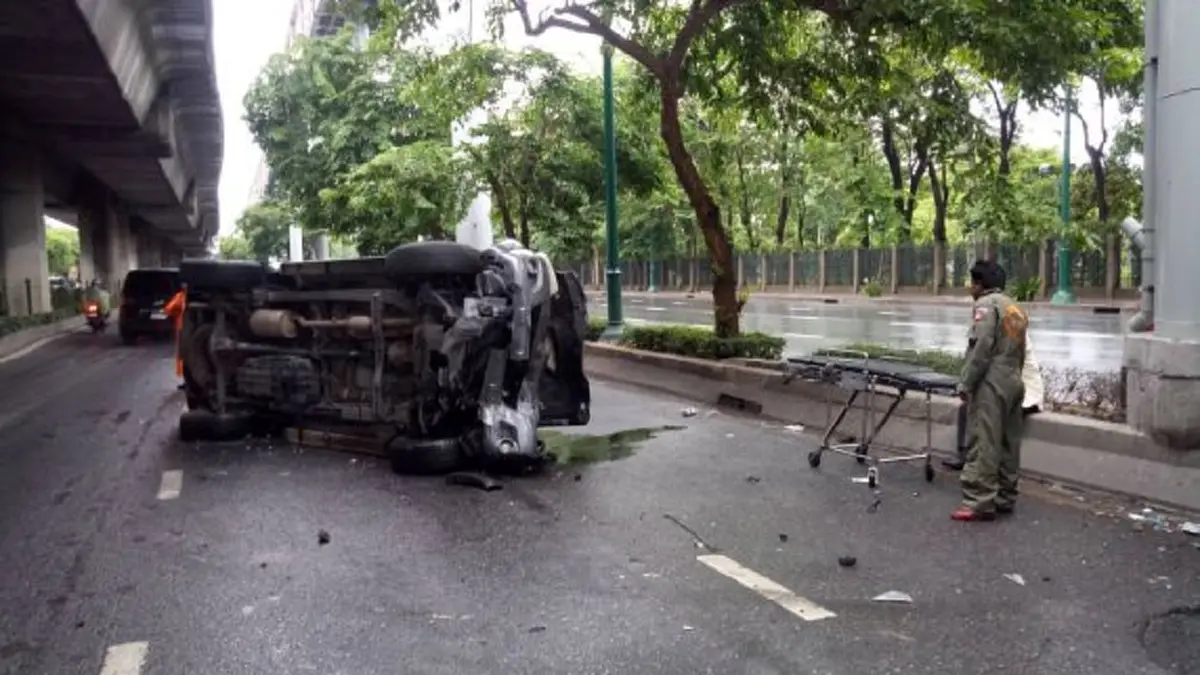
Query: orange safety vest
174, 309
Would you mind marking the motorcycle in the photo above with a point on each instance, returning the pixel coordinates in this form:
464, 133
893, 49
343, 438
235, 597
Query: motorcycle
96, 320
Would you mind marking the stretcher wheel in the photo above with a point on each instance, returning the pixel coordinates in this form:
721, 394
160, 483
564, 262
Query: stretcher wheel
872, 479
929, 473
814, 459
860, 453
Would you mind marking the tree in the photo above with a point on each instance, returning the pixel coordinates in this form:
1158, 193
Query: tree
264, 227
62, 250
235, 246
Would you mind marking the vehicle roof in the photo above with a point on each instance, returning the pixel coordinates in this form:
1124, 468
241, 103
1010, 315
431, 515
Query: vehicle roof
154, 270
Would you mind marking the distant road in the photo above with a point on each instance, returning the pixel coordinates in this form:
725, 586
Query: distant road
1063, 339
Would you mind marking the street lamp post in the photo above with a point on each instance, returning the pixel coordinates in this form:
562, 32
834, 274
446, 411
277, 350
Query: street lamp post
613, 263
1063, 295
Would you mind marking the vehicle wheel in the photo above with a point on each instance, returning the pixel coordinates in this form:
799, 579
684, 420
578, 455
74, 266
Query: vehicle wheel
204, 425
425, 456
224, 275
860, 453
426, 258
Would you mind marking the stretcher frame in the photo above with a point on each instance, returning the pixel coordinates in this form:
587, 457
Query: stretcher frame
869, 378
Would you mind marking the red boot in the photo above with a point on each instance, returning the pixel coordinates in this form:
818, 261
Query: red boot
967, 514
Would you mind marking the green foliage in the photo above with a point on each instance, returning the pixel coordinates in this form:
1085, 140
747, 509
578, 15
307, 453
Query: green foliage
1025, 290
595, 328
937, 361
747, 126
701, 343
62, 250
235, 247
263, 228
872, 288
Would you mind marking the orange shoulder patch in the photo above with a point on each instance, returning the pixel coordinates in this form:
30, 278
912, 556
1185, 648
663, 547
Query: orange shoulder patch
1015, 323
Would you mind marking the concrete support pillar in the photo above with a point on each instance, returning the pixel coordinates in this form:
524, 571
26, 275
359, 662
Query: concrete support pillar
1163, 367
23, 231
87, 247
118, 245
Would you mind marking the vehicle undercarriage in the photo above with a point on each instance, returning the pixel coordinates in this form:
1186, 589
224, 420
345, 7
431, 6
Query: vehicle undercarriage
440, 351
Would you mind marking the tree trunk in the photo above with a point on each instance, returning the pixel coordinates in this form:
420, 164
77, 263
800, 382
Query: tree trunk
744, 203
524, 214
501, 196
905, 202
708, 214
785, 206
941, 198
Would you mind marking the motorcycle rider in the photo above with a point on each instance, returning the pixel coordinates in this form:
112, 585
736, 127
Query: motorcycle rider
95, 293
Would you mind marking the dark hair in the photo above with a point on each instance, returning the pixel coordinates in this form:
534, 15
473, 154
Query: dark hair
988, 274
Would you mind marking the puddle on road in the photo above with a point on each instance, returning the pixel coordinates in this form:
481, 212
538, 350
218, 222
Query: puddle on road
588, 448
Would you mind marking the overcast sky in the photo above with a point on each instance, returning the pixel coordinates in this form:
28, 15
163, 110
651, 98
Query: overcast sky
248, 32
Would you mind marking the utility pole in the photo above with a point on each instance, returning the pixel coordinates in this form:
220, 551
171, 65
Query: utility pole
612, 281
1063, 295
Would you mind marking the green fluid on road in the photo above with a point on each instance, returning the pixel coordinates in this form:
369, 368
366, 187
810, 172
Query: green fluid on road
588, 448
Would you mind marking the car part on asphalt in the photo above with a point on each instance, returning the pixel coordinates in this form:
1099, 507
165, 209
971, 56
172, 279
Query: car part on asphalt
458, 355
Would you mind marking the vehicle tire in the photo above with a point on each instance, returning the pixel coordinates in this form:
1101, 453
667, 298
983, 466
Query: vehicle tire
425, 456
222, 275
204, 425
425, 258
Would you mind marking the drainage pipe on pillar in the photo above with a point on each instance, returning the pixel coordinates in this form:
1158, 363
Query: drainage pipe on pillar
1143, 321
1142, 235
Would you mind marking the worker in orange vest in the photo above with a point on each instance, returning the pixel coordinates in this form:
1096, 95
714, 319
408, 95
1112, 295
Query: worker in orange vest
174, 309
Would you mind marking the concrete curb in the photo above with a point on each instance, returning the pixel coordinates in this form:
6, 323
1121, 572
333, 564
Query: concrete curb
14, 342
1116, 307
1073, 450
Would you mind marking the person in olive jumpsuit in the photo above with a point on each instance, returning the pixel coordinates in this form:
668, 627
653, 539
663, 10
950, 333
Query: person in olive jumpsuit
992, 387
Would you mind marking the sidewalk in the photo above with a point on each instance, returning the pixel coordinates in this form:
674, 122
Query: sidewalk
13, 343
1086, 305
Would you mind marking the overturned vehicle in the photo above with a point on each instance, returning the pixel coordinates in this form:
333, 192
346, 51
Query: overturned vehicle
440, 352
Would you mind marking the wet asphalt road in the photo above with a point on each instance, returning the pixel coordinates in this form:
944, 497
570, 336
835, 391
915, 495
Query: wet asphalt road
1066, 339
552, 575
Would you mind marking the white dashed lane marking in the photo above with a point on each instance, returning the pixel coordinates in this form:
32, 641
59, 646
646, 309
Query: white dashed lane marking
125, 659
776, 593
171, 485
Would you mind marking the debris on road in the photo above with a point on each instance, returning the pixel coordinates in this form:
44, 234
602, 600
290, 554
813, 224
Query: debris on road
798, 428
688, 629
1190, 528
322, 537
689, 412
898, 597
537, 629
847, 561
753, 479
1015, 578
783, 537
475, 480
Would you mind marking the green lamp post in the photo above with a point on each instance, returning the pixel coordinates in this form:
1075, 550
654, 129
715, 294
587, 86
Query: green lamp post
1063, 295
612, 282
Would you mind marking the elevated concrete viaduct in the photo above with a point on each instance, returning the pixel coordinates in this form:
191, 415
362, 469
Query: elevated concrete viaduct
110, 120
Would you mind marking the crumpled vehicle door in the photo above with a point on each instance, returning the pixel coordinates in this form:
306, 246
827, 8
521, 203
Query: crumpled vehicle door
565, 393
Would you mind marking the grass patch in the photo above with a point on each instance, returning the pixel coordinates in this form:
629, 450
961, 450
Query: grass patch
694, 341
16, 324
937, 361
568, 449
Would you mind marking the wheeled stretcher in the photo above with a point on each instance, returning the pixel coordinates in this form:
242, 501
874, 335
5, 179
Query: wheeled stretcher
868, 378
